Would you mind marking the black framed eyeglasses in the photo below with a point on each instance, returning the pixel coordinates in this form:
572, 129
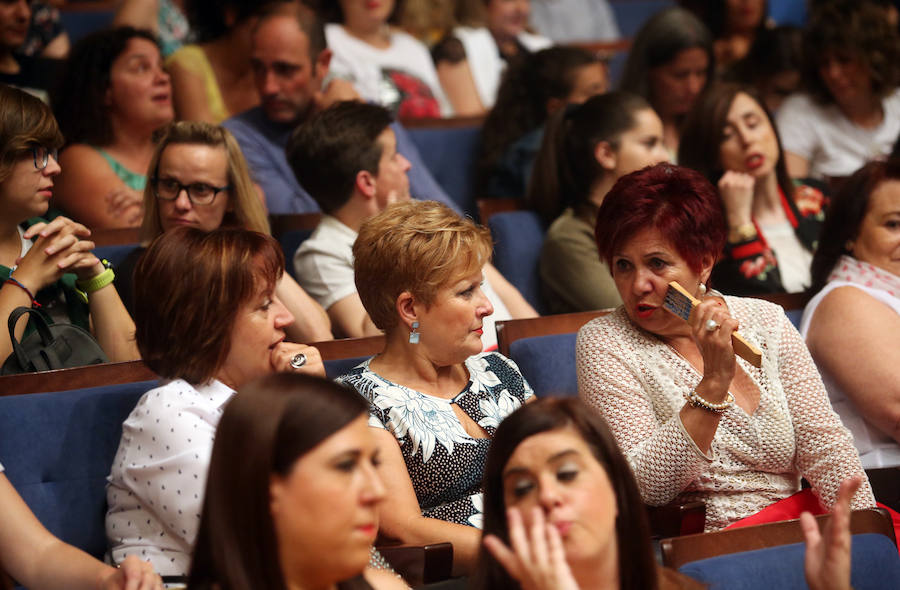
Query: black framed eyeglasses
199, 193
42, 156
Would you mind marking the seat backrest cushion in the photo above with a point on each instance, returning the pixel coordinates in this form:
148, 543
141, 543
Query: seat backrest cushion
290, 241
518, 239
115, 253
57, 449
336, 367
449, 154
875, 565
548, 363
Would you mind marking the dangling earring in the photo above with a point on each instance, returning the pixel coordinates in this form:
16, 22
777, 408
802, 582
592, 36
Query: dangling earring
414, 336
702, 288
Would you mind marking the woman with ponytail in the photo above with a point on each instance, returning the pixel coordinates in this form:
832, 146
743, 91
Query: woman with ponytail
586, 149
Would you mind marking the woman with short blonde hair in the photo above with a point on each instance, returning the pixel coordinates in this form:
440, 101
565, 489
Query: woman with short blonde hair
435, 398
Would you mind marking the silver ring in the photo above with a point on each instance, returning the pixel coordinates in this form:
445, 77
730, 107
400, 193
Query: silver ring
711, 325
298, 360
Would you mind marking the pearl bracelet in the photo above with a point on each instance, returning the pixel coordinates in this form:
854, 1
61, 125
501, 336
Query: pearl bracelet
696, 401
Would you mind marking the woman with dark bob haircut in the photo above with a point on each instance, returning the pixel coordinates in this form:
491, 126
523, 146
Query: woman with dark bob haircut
694, 421
669, 64
850, 112
208, 322
46, 264
773, 222
562, 511
113, 95
851, 322
293, 491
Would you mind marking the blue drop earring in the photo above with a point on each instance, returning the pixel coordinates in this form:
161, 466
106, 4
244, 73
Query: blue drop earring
414, 336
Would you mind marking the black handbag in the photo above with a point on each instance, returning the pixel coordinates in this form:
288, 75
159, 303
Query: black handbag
50, 346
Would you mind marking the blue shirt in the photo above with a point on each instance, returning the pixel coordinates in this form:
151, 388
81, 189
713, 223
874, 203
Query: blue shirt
263, 143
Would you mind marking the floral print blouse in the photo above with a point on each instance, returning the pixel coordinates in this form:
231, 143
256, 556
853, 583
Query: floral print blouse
445, 464
750, 267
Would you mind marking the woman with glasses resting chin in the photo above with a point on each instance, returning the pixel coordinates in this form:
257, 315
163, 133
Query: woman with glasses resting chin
42, 263
198, 178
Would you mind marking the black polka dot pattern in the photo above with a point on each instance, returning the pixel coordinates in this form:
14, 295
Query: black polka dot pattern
445, 463
158, 476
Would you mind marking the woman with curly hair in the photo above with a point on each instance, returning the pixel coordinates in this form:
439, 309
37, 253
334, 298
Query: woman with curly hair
850, 112
113, 96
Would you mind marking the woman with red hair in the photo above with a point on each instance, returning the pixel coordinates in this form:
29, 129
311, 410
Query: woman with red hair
695, 421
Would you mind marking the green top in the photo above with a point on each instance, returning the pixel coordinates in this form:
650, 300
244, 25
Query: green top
131, 179
62, 292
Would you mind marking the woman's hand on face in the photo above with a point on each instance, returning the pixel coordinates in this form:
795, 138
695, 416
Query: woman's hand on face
58, 248
285, 351
827, 562
736, 190
537, 559
715, 345
133, 574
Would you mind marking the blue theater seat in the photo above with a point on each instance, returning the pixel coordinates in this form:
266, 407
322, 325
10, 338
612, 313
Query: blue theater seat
518, 239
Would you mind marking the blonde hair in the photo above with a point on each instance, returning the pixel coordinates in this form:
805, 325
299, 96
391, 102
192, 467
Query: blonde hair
247, 210
416, 246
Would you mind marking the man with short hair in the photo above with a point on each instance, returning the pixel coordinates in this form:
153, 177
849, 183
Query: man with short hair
346, 156
290, 64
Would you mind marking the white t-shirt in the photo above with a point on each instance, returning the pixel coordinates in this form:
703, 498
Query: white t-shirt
401, 78
324, 267
565, 21
793, 259
831, 144
484, 58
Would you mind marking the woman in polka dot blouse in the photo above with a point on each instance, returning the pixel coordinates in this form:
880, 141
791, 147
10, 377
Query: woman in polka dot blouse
207, 322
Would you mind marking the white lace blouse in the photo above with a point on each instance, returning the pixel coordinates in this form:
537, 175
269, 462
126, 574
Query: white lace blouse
638, 383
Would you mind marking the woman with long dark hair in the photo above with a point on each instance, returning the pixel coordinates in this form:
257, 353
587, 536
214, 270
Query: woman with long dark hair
293, 491
585, 150
773, 222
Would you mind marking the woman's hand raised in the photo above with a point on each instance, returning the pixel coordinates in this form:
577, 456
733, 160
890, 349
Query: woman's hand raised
537, 559
711, 328
285, 351
828, 556
736, 190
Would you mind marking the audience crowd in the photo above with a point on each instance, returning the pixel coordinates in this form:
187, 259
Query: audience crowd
739, 159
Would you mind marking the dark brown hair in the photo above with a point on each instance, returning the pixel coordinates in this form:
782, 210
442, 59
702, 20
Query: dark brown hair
701, 136
25, 122
79, 100
565, 168
844, 217
852, 28
676, 201
637, 566
265, 429
189, 287
327, 151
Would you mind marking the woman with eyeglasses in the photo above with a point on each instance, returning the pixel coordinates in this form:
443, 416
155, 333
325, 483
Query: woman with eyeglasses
48, 265
198, 177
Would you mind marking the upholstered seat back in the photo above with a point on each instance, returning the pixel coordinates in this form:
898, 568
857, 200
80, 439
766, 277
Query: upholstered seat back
57, 449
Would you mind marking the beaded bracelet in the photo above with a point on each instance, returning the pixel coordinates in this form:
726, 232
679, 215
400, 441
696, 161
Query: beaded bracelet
34, 302
696, 401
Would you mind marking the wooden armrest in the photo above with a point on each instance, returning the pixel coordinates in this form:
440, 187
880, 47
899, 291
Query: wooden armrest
420, 564
674, 520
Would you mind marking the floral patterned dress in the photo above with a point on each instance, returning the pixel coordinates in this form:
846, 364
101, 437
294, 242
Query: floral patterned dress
750, 267
445, 464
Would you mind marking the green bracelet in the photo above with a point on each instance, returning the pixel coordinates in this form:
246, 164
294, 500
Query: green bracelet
85, 287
